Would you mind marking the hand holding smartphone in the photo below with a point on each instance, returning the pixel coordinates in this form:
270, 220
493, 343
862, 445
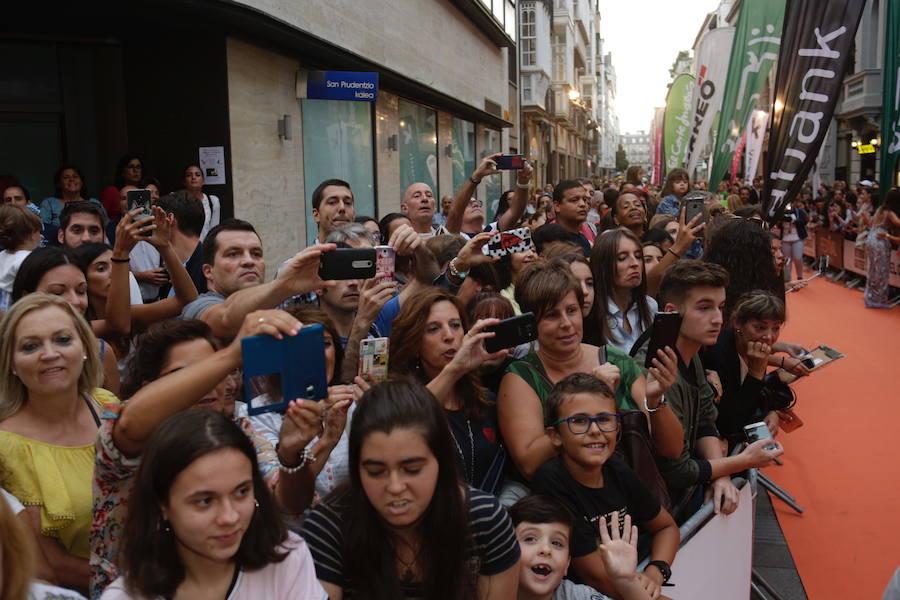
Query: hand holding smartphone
140, 199
758, 431
348, 263
664, 332
373, 359
511, 332
278, 371
510, 162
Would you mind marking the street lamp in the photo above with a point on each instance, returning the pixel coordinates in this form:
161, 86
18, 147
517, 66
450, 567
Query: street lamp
574, 94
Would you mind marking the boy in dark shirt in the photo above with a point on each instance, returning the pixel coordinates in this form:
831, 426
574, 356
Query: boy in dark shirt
584, 428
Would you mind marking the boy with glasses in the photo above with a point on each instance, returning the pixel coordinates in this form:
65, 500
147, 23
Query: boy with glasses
593, 485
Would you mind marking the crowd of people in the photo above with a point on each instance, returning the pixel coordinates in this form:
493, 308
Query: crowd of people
132, 468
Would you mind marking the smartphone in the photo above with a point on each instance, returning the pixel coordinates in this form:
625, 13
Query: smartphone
511, 332
373, 358
664, 332
509, 242
758, 431
384, 263
278, 371
694, 207
143, 200
347, 263
510, 162
809, 362
602, 355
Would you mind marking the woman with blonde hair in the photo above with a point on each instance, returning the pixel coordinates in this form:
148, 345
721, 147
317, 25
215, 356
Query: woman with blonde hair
733, 202
49, 414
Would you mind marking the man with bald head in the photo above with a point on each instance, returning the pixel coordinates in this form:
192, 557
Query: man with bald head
418, 205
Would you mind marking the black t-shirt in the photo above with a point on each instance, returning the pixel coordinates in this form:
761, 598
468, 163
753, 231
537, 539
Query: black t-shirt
622, 491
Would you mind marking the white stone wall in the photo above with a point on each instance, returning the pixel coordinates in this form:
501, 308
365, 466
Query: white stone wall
429, 41
267, 173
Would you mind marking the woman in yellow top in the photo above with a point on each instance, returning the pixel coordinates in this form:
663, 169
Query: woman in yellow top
49, 414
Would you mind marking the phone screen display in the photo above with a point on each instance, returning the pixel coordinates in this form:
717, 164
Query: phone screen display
758, 431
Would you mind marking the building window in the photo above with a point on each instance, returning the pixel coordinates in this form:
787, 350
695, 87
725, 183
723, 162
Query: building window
337, 142
526, 89
418, 145
559, 57
529, 38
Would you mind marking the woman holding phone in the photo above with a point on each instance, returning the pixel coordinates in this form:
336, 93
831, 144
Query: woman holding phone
432, 342
553, 294
405, 525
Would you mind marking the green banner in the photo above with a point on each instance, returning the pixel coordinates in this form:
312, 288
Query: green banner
677, 123
890, 118
757, 41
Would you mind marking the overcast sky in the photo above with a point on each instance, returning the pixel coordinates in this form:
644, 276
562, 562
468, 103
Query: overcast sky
645, 37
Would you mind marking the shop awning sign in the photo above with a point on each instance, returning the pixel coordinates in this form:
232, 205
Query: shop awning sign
361, 86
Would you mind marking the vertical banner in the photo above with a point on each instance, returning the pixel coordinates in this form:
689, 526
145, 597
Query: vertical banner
656, 139
816, 52
710, 70
736, 161
755, 49
756, 132
890, 106
677, 123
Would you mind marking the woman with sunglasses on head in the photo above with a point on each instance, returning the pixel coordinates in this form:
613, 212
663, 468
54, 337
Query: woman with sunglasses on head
406, 525
202, 523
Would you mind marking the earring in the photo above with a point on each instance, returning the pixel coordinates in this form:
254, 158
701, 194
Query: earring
15, 374
84, 357
256, 504
164, 526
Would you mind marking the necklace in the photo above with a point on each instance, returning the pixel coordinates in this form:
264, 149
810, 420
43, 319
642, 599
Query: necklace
469, 467
408, 566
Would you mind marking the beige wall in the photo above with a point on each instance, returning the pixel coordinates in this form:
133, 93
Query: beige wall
429, 41
267, 172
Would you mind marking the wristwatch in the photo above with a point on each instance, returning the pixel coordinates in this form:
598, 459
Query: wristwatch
663, 567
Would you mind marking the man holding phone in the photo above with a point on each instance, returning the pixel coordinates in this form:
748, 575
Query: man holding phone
466, 214
235, 272
696, 290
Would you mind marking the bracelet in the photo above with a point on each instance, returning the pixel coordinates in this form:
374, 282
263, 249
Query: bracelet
475, 181
120, 260
305, 458
673, 253
662, 402
523, 186
456, 272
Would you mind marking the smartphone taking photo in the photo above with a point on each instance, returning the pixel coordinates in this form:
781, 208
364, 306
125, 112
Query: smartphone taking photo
348, 263
140, 199
664, 332
511, 332
758, 431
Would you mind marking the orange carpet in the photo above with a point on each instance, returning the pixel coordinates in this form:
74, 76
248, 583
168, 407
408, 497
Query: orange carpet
842, 466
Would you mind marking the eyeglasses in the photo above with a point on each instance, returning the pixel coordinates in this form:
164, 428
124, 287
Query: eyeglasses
580, 424
136, 167
476, 203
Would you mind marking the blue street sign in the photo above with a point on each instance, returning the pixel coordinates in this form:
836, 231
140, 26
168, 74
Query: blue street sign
342, 85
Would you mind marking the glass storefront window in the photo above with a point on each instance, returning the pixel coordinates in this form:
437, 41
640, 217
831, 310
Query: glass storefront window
418, 145
463, 139
337, 144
